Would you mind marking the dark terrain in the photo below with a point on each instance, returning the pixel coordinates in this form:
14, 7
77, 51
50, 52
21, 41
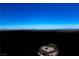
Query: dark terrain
27, 42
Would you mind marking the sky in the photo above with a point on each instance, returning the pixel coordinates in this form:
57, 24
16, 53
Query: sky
39, 15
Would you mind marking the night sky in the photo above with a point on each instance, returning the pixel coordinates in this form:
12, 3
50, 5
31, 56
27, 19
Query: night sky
39, 16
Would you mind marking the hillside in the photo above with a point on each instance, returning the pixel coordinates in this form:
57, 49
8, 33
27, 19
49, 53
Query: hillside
27, 42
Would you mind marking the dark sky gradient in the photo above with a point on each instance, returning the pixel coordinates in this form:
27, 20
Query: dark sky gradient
41, 16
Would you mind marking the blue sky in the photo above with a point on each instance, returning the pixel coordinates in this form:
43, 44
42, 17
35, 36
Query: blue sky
39, 15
